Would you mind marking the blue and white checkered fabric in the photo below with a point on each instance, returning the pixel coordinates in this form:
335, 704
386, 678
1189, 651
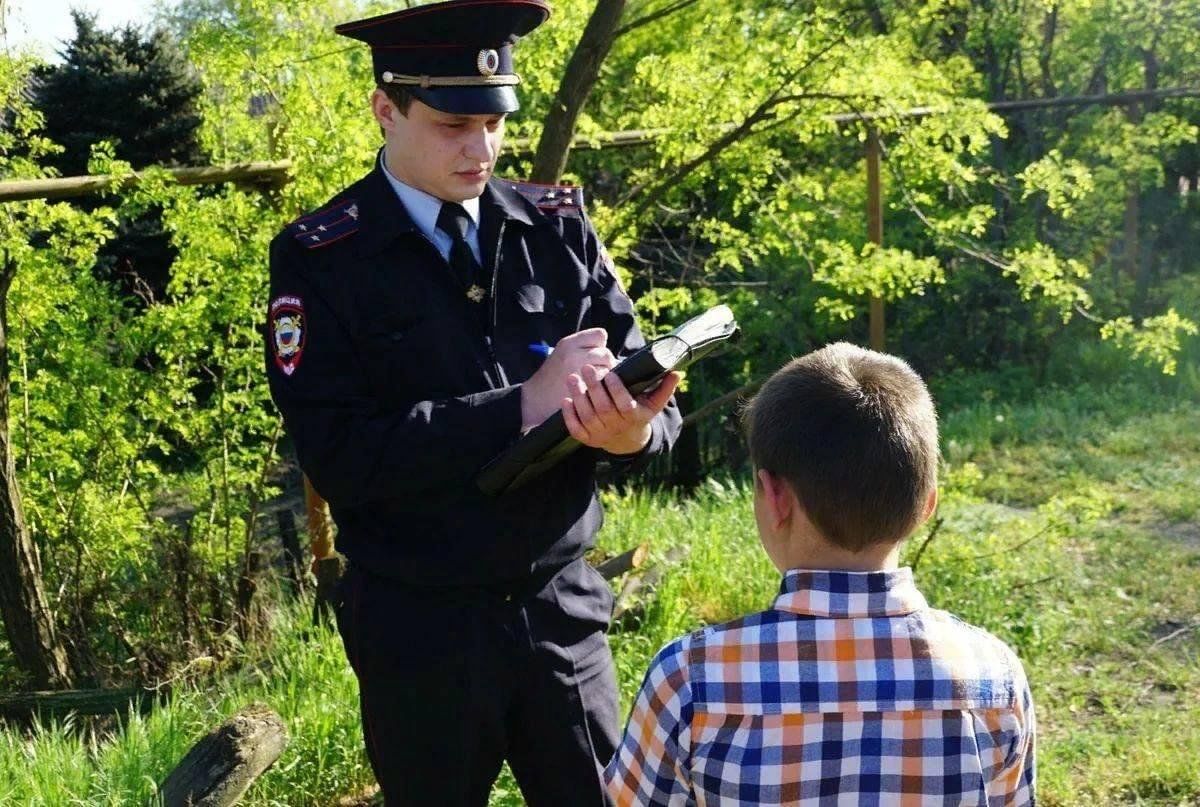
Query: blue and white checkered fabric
849, 691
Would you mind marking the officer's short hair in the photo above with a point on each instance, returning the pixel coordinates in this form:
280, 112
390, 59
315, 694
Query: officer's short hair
854, 433
400, 97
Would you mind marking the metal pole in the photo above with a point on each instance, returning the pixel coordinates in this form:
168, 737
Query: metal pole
875, 228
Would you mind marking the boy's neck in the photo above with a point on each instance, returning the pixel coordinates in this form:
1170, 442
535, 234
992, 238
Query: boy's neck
815, 553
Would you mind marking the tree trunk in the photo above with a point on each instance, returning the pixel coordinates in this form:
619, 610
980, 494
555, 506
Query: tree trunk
1141, 256
1132, 218
28, 623
578, 79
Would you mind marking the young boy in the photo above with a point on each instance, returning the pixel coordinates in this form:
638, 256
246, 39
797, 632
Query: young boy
850, 689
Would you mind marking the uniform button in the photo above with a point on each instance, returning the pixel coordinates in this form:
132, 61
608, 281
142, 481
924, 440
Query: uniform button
508, 598
559, 305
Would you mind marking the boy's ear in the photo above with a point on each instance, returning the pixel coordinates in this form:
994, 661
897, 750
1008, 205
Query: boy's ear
930, 504
777, 496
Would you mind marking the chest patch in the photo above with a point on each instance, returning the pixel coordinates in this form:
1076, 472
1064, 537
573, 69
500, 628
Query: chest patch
287, 332
326, 226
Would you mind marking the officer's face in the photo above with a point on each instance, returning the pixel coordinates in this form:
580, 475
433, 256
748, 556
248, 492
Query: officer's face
448, 156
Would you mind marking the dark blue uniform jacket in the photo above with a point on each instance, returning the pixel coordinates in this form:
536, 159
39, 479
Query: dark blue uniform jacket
396, 389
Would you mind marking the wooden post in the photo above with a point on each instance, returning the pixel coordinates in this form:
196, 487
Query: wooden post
875, 228
326, 564
221, 767
625, 562
629, 608
291, 549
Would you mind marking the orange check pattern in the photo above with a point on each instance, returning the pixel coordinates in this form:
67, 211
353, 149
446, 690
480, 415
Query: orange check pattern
849, 691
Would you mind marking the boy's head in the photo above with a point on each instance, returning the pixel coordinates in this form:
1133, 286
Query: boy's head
851, 434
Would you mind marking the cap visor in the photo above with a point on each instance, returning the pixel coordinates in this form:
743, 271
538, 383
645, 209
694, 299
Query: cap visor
468, 100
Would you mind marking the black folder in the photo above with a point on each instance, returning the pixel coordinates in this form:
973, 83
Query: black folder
549, 442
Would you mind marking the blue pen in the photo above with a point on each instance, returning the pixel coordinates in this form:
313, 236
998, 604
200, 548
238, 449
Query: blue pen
542, 349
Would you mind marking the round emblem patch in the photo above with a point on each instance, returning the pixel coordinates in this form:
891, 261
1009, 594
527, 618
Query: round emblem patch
287, 332
488, 62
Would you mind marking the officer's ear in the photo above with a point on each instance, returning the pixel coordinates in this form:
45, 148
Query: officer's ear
384, 110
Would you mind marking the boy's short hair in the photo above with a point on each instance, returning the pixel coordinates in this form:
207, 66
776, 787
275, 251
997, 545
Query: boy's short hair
854, 433
401, 98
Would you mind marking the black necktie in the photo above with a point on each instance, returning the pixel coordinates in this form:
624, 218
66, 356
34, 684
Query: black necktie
452, 220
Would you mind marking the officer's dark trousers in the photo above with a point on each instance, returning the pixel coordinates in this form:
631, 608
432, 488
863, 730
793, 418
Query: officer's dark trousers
454, 681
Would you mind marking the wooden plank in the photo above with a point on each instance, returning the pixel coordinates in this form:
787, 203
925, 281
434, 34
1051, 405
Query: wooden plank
261, 174
60, 703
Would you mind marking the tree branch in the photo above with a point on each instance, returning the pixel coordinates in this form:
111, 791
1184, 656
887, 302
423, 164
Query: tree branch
737, 133
679, 5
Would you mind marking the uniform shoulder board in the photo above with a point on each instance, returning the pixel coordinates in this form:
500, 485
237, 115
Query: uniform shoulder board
326, 226
553, 200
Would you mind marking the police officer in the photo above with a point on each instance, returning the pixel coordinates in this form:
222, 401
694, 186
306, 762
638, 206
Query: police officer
419, 323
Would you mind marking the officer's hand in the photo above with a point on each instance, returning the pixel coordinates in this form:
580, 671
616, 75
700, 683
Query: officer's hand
602, 414
541, 395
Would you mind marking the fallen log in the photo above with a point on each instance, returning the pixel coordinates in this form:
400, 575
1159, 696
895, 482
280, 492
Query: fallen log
60, 703
625, 562
629, 608
221, 767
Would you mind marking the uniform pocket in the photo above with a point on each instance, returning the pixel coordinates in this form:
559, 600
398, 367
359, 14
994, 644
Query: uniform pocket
402, 356
531, 298
584, 595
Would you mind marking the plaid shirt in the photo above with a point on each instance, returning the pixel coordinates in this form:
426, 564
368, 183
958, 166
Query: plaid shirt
849, 691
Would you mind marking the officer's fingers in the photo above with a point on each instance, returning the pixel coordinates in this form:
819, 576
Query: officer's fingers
600, 357
622, 400
573, 385
571, 419
655, 401
577, 390
591, 337
602, 403
585, 410
591, 375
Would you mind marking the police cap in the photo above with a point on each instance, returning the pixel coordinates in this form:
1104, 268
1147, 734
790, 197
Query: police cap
454, 56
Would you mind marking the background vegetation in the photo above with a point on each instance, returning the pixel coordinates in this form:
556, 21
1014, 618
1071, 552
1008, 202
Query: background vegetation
1037, 267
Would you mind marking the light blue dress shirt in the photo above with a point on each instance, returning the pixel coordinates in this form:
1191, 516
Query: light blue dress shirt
424, 209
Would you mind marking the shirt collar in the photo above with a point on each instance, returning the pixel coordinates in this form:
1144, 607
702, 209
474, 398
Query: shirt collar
424, 207
849, 594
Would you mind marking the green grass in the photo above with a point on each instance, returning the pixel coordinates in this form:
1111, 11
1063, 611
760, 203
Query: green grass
1068, 528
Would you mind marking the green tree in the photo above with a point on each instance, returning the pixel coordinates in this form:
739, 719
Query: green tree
134, 90
37, 240
138, 92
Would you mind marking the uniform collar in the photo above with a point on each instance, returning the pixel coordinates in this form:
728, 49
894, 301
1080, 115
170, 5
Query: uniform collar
383, 217
849, 594
424, 208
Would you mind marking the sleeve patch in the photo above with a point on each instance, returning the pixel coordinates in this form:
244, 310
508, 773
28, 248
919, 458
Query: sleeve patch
563, 200
287, 332
326, 226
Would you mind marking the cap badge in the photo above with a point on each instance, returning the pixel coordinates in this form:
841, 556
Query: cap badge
488, 62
